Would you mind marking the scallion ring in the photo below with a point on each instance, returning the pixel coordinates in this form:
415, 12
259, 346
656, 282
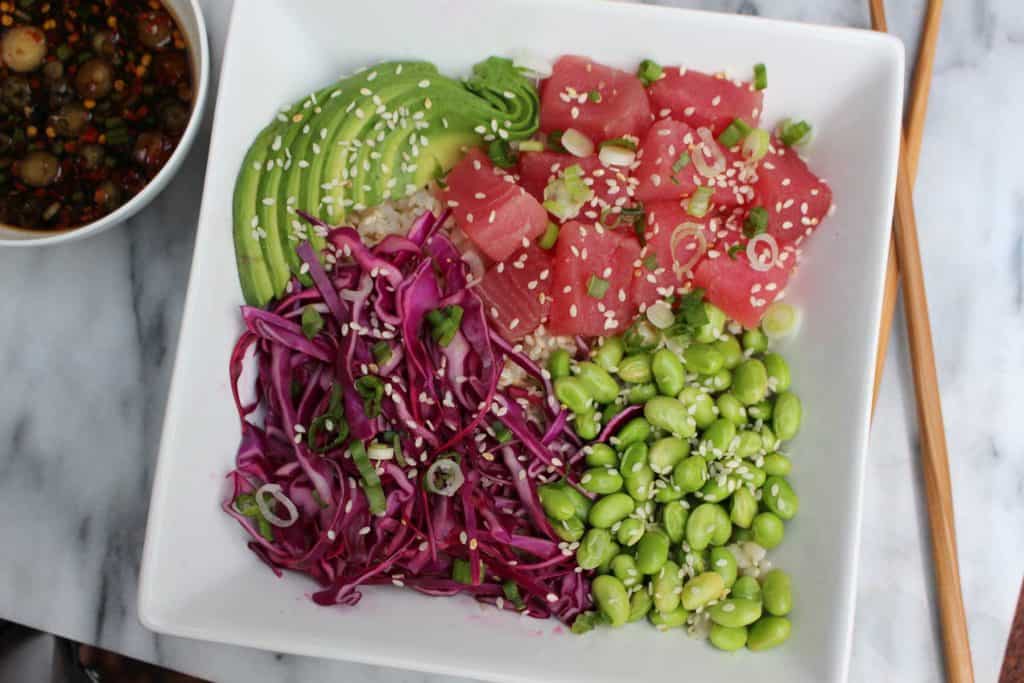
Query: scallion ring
780, 320
444, 477
757, 260
708, 148
275, 492
683, 231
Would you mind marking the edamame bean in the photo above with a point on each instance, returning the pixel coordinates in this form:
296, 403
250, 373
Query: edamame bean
581, 504
634, 458
630, 531
769, 632
603, 480
663, 621
573, 394
569, 530
636, 369
668, 372
606, 564
777, 465
666, 453
601, 386
768, 530
702, 589
639, 483
728, 639
652, 551
640, 604
556, 503
760, 411
671, 415
690, 474
779, 497
723, 562
786, 416
641, 393
703, 359
709, 331
720, 435
611, 598
740, 535
673, 520
735, 612
593, 548
667, 493
708, 525
716, 490
559, 364
624, 569
610, 509
602, 455
732, 352
747, 588
730, 408
749, 444
750, 382
743, 507
610, 353
637, 429
768, 440
701, 405
750, 474
666, 587
777, 590
755, 340
720, 381
696, 563
587, 425
778, 371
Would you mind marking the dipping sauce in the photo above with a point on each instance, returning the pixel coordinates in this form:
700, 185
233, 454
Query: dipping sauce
94, 97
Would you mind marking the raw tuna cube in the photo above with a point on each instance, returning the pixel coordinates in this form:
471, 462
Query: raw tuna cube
701, 99
609, 183
796, 199
660, 272
516, 292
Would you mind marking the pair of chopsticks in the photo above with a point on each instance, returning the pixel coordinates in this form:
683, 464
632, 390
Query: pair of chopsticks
905, 256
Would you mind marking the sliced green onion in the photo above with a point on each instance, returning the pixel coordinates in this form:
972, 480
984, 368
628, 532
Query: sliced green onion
550, 236
531, 146
780, 320
734, 133
597, 287
332, 421
756, 144
501, 153
444, 477
511, 591
555, 141
444, 323
594, 96
584, 622
682, 162
756, 222
700, 202
616, 217
794, 133
370, 481
760, 77
266, 530
735, 249
633, 212
380, 451
245, 503
381, 352
502, 433
318, 500
371, 389
651, 262
461, 573
649, 72
628, 143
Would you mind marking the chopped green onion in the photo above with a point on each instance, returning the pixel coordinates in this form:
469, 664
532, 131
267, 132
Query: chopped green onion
584, 622
245, 503
760, 77
555, 141
700, 202
735, 249
566, 194
597, 287
616, 217
371, 389
444, 323
640, 229
734, 133
461, 573
266, 530
641, 336
628, 143
318, 500
594, 96
370, 481
756, 222
691, 314
396, 443
681, 163
63, 52
651, 262
511, 591
501, 154
444, 477
794, 133
550, 236
502, 433
332, 420
780, 320
312, 322
649, 72
531, 146
756, 144
381, 352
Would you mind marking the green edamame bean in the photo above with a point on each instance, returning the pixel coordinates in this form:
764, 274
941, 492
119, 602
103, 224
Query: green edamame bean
581, 504
732, 352
610, 509
593, 548
749, 444
755, 340
746, 588
636, 369
602, 386
749, 474
703, 359
556, 503
769, 632
786, 416
779, 497
673, 520
743, 507
690, 474
606, 564
709, 331
637, 429
778, 371
768, 530
720, 435
667, 493
587, 425
559, 364
720, 381
671, 415
639, 483
728, 639
630, 531
777, 465
641, 393
624, 569
666, 453
760, 411
572, 393
601, 480
634, 458
702, 589
569, 530
731, 408
652, 551
740, 535
640, 604
668, 372
611, 598
735, 612
723, 563
768, 440
696, 562
700, 404
609, 353
602, 455
777, 590
708, 525
667, 587
663, 621
750, 382
716, 490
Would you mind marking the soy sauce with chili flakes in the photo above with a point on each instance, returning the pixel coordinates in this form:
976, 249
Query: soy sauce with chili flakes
94, 97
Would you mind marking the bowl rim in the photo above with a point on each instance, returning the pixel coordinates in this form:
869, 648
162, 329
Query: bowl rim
200, 54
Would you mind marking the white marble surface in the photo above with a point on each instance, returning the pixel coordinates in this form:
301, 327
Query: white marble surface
89, 330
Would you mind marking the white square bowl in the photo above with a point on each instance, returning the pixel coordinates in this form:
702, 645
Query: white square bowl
199, 580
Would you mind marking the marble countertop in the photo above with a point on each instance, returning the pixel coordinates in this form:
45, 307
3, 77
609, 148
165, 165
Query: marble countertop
89, 332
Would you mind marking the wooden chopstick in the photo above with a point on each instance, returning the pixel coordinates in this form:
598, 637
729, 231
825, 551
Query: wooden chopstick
914, 131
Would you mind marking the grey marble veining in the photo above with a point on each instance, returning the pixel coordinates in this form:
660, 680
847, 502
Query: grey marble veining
89, 329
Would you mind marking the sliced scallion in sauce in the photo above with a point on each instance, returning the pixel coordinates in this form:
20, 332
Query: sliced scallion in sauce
501, 154
312, 322
760, 77
649, 72
370, 481
700, 202
597, 287
444, 323
735, 133
794, 133
756, 222
550, 236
